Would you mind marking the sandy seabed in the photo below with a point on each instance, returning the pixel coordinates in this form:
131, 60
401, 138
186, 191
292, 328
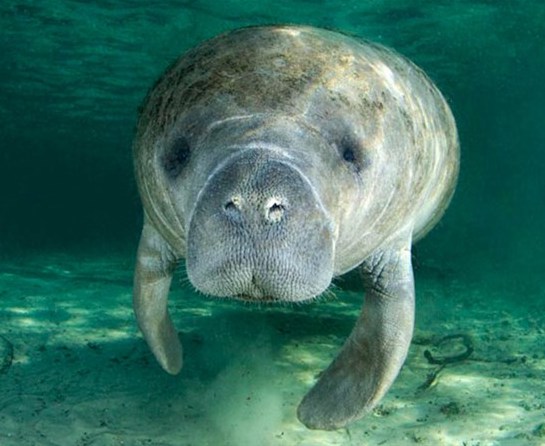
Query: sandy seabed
75, 371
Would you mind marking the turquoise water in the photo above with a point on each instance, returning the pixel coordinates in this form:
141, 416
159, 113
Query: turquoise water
72, 75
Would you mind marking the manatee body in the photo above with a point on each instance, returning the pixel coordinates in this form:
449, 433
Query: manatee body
275, 158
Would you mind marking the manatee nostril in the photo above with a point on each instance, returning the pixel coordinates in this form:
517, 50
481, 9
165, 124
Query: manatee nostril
233, 205
274, 210
230, 206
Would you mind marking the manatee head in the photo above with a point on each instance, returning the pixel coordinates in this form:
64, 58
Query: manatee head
253, 205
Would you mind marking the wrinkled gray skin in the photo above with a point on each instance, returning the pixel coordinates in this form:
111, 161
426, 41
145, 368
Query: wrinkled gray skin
275, 158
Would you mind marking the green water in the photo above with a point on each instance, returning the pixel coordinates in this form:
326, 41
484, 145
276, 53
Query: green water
72, 75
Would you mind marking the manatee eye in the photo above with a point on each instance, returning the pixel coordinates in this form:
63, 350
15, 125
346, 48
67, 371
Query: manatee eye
349, 151
176, 157
348, 155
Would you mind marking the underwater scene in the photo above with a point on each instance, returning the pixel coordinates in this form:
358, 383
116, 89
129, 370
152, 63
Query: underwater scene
79, 84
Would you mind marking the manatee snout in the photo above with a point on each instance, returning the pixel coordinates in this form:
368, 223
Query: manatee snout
258, 231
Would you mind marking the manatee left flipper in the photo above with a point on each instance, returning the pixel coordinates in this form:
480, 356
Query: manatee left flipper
372, 356
155, 266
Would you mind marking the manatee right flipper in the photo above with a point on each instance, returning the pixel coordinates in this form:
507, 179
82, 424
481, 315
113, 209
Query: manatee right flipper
155, 266
372, 356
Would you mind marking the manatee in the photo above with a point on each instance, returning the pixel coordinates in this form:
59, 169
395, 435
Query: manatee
276, 158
